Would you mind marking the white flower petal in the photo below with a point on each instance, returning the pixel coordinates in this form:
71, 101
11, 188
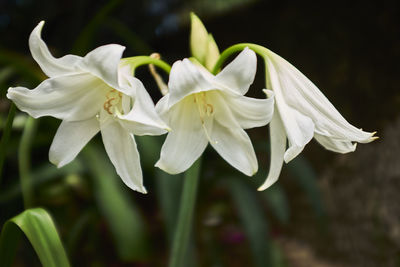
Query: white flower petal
162, 107
228, 138
142, 119
187, 140
302, 94
335, 145
122, 151
234, 145
278, 147
70, 138
124, 73
185, 79
71, 97
299, 128
251, 112
239, 74
103, 62
51, 66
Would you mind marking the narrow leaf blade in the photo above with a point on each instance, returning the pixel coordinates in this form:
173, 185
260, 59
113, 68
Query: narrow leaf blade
126, 223
41, 232
254, 222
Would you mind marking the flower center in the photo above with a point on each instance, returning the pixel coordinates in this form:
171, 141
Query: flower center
113, 100
204, 108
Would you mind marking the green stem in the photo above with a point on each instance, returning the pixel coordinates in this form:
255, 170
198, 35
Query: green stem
138, 61
5, 137
185, 217
24, 161
260, 50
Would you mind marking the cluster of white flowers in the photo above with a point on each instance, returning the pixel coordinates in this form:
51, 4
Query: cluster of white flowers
98, 93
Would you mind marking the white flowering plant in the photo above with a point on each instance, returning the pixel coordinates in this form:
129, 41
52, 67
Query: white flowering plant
203, 103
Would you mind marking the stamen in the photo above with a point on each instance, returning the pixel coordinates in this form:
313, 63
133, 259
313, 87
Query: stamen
211, 109
113, 98
204, 109
160, 82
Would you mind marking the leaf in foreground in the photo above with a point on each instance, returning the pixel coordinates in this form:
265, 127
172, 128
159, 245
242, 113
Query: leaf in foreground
41, 232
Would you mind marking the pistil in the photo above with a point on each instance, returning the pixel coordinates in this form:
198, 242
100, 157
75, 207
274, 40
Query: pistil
205, 109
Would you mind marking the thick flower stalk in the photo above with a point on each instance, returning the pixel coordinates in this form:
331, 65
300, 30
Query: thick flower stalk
302, 113
91, 94
202, 108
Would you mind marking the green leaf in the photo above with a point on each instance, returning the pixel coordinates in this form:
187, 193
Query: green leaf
5, 137
123, 216
183, 227
84, 223
202, 44
24, 161
277, 202
277, 256
168, 189
39, 176
254, 222
41, 232
305, 176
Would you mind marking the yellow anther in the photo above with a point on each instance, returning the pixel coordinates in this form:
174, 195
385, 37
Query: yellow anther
113, 98
211, 109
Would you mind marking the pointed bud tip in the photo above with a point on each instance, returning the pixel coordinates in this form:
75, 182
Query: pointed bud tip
193, 16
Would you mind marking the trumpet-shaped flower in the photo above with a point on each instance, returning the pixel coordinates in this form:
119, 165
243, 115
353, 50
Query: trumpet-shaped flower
301, 113
202, 108
91, 94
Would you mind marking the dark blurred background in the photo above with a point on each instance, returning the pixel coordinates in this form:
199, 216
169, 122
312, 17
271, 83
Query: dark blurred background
326, 210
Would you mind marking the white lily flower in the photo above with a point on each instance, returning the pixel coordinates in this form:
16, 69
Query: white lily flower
91, 94
301, 113
202, 108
